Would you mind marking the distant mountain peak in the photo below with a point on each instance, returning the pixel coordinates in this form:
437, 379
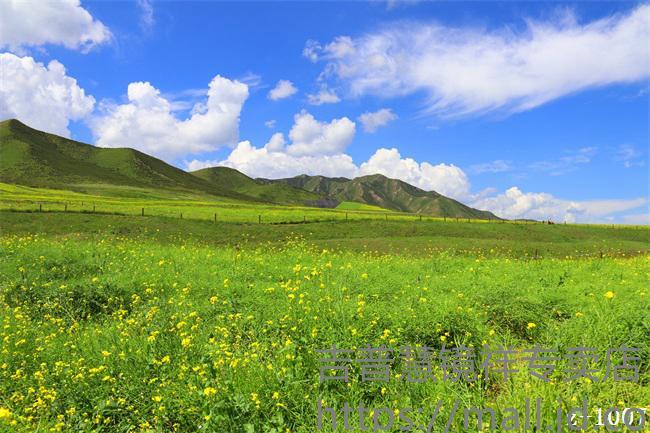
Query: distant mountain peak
380, 190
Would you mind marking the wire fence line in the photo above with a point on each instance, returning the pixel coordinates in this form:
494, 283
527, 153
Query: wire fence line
236, 215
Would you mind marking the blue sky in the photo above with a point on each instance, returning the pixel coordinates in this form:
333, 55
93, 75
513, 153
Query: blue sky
529, 109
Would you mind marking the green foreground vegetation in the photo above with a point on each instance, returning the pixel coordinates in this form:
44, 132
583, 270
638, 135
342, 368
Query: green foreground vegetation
123, 323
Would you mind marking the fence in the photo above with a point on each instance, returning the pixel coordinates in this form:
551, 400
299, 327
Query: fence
248, 215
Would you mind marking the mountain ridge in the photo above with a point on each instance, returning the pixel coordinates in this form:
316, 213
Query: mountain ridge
388, 193
35, 158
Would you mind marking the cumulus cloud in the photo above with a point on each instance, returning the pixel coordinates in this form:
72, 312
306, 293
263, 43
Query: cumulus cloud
372, 121
265, 162
514, 203
44, 97
447, 179
312, 137
148, 123
276, 143
65, 22
270, 123
283, 89
471, 71
324, 96
273, 161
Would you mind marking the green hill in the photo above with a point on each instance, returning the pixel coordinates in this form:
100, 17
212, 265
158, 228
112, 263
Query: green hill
38, 159
233, 180
379, 190
34, 158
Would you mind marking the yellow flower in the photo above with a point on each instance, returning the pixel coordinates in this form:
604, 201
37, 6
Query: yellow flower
157, 398
579, 314
209, 391
609, 294
106, 353
531, 325
5, 413
275, 396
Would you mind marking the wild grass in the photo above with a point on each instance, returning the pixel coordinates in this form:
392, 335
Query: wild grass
119, 324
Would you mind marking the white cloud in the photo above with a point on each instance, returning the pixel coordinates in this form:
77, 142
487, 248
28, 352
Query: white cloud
270, 123
447, 179
496, 166
276, 143
372, 121
263, 162
283, 89
470, 71
147, 19
567, 163
314, 148
392, 4
311, 50
43, 97
64, 22
629, 156
148, 123
273, 161
514, 203
311, 137
251, 79
324, 96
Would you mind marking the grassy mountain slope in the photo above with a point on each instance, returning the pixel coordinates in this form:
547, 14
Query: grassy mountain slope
35, 158
236, 181
379, 190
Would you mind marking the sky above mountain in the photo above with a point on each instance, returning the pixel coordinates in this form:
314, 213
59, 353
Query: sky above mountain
527, 109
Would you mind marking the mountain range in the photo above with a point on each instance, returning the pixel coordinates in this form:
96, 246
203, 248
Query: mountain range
39, 159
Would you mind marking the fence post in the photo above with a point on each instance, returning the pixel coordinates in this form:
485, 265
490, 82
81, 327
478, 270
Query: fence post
420, 218
259, 219
215, 217
445, 218
93, 207
346, 216
142, 213
304, 218
181, 215
40, 207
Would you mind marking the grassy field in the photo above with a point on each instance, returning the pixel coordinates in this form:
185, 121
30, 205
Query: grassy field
156, 203
118, 323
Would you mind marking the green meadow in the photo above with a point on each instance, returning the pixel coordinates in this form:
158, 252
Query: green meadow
121, 323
